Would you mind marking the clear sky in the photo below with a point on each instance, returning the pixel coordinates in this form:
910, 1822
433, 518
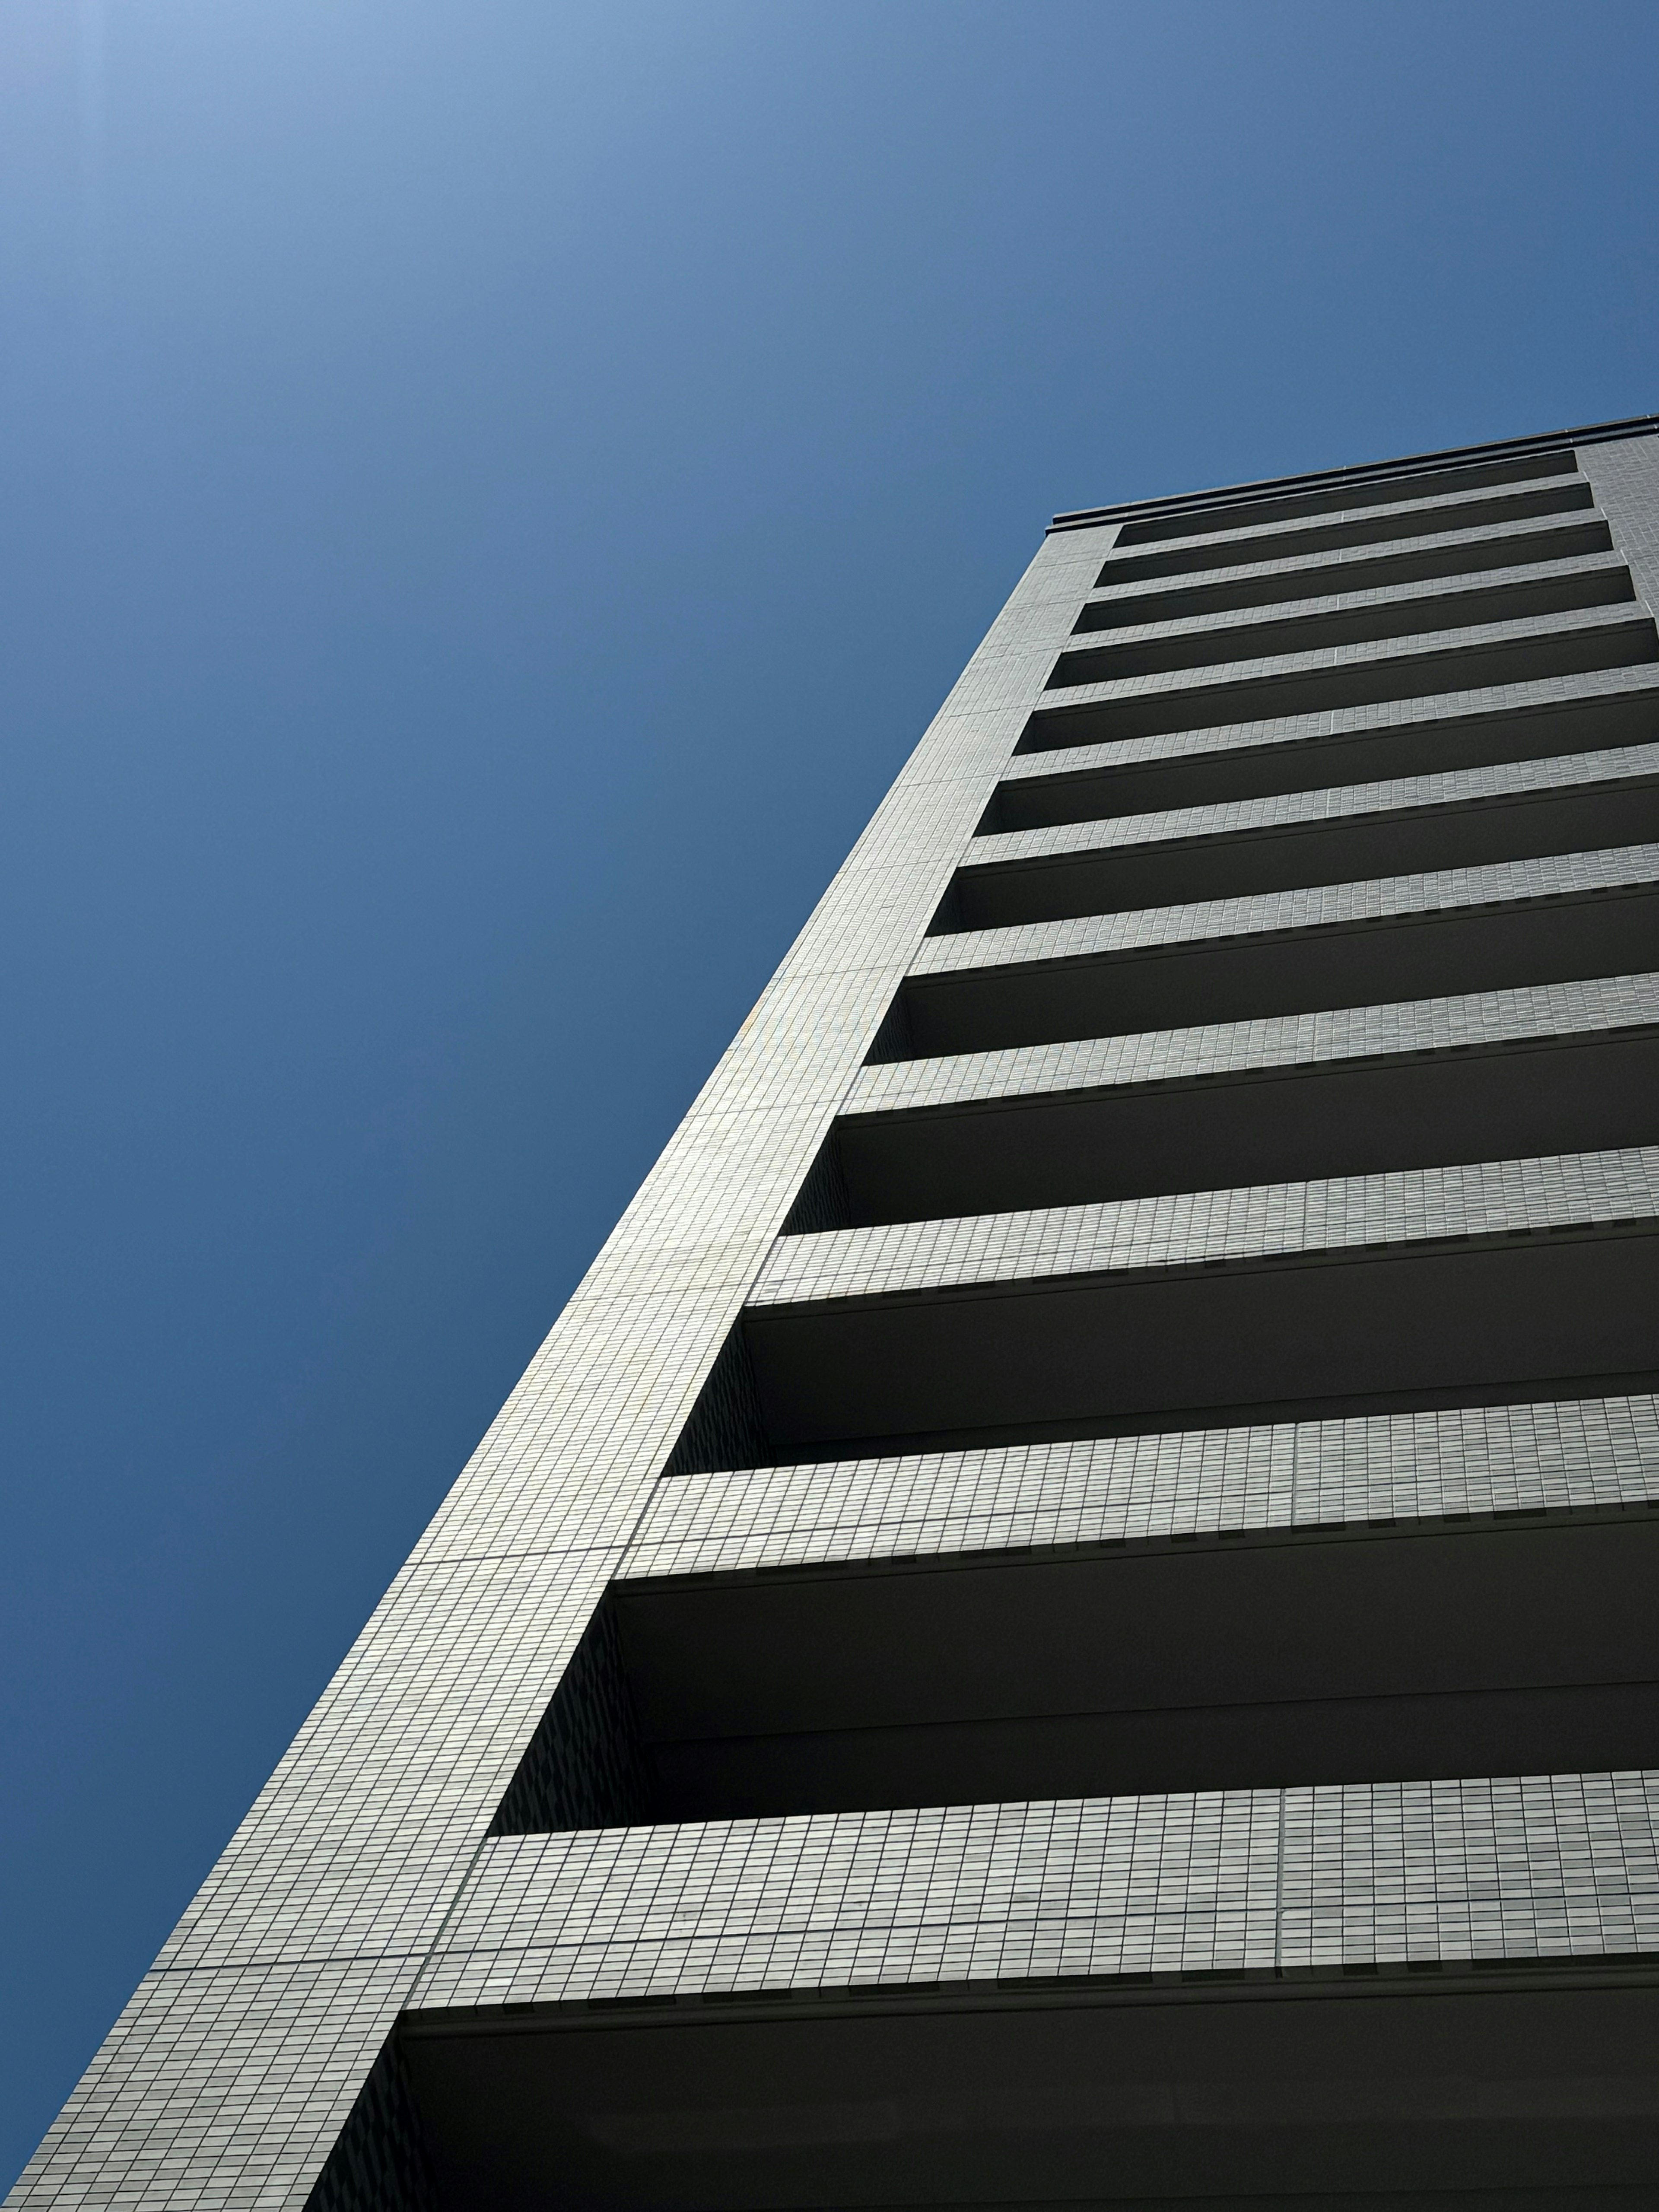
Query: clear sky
490, 491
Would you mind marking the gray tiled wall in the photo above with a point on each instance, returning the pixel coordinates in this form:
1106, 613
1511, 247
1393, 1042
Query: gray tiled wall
1526, 1867
1480, 1017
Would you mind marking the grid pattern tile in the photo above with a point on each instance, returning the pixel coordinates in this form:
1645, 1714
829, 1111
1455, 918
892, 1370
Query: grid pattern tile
1532, 1866
1319, 905
1373, 653
1448, 1024
1483, 703
1512, 538
1624, 474
1579, 1455
1491, 1198
1427, 596
1443, 506
1283, 809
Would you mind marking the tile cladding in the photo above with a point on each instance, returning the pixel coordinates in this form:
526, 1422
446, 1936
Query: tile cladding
1455, 787
1492, 1198
1502, 545
1320, 906
1585, 1454
1418, 603
1532, 1866
1531, 696
1449, 1024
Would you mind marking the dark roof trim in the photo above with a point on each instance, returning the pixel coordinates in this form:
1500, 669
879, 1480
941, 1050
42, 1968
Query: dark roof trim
1634, 426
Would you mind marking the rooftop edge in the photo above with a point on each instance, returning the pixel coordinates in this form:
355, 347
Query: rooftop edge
1634, 426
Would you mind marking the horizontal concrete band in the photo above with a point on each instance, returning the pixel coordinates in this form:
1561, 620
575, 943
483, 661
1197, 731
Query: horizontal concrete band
1489, 703
1490, 1199
1415, 1025
1426, 596
1307, 907
1545, 1867
1336, 802
1429, 645
1500, 542
1240, 527
1567, 1457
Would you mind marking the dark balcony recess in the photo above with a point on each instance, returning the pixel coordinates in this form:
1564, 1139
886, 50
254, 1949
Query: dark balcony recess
1490, 2090
1241, 1663
1345, 497
1464, 556
1420, 615
1246, 1662
1303, 1335
1212, 1133
1274, 695
1427, 748
1229, 979
1569, 497
1392, 841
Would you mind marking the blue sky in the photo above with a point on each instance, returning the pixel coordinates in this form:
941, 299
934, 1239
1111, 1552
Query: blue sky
489, 494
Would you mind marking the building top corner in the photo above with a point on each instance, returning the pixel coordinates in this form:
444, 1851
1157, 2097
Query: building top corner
1454, 457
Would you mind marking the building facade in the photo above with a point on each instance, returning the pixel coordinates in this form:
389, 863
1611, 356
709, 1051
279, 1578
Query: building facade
1067, 1612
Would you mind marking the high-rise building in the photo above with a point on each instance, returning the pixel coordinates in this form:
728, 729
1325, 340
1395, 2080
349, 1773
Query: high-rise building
1068, 1613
